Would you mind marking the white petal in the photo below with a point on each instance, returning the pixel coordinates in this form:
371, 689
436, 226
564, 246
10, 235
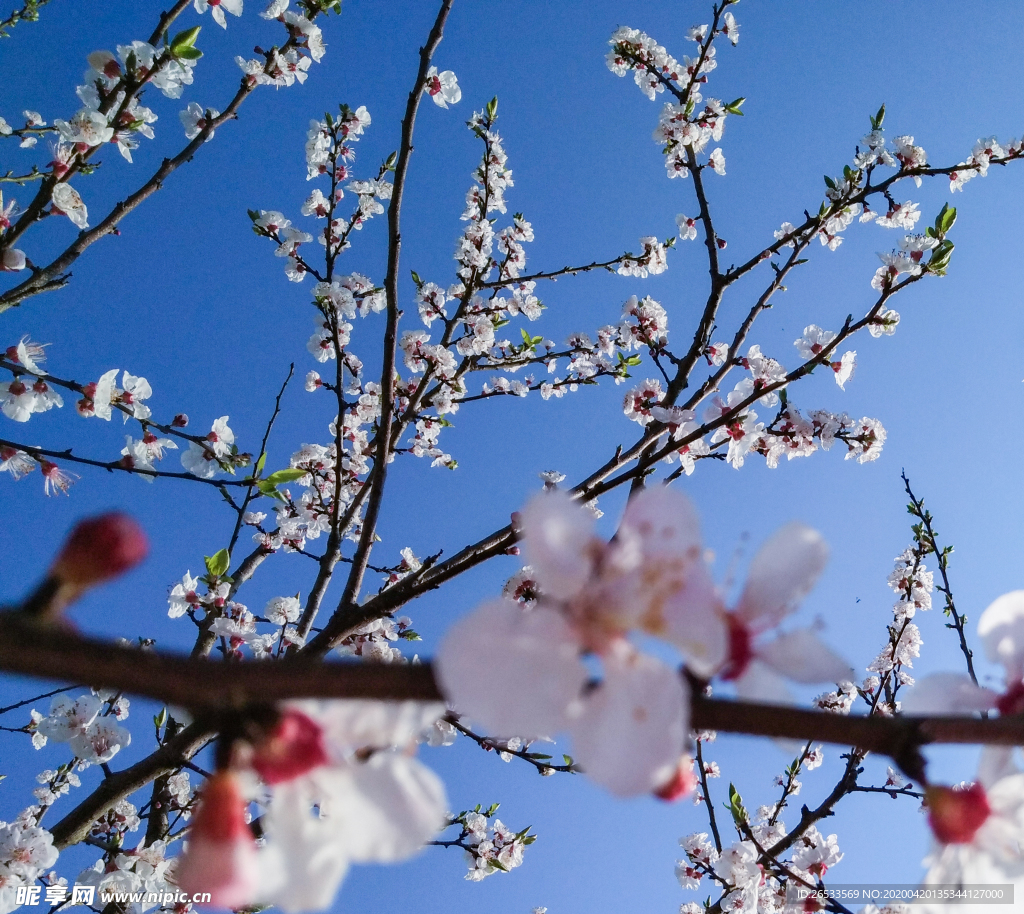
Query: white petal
306, 857
762, 684
947, 693
781, 575
514, 671
665, 521
1001, 629
996, 763
631, 730
557, 534
803, 657
352, 723
694, 623
653, 577
395, 805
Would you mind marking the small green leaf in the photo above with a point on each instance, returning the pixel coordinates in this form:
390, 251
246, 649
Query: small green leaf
185, 39
876, 121
734, 106
735, 806
289, 475
829, 183
218, 563
183, 44
261, 462
946, 218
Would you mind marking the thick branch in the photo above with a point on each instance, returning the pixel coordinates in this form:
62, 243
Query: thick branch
213, 686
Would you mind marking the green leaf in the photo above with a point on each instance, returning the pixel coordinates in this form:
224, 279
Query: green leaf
218, 563
946, 218
160, 719
492, 108
876, 121
269, 489
735, 806
261, 462
734, 106
416, 279
829, 183
289, 475
183, 44
567, 759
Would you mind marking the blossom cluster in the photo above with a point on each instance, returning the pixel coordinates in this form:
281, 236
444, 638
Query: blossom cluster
630, 732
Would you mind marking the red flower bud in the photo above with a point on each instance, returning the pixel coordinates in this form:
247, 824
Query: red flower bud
956, 815
681, 784
221, 857
295, 746
100, 548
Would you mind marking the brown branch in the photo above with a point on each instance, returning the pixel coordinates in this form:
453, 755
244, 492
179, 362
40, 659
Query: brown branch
214, 687
75, 826
383, 450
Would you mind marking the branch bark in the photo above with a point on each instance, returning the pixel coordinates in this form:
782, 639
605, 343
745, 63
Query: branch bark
213, 687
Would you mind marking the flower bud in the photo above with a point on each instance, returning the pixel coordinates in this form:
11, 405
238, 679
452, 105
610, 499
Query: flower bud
681, 784
100, 548
295, 746
955, 815
221, 857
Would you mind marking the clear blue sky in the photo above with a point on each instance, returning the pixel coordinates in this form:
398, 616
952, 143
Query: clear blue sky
188, 297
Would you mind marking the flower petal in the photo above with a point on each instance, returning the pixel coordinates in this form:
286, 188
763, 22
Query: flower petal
947, 693
781, 575
394, 806
514, 671
557, 534
631, 730
1001, 629
354, 723
694, 623
803, 657
760, 683
306, 858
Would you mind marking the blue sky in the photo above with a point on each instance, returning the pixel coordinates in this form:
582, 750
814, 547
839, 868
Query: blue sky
188, 297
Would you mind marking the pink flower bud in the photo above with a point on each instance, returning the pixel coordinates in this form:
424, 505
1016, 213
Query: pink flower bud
295, 747
100, 548
956, 815
179, 421
221, 857
681, 784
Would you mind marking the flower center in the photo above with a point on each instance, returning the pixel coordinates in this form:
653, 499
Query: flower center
741, 651
956, 815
